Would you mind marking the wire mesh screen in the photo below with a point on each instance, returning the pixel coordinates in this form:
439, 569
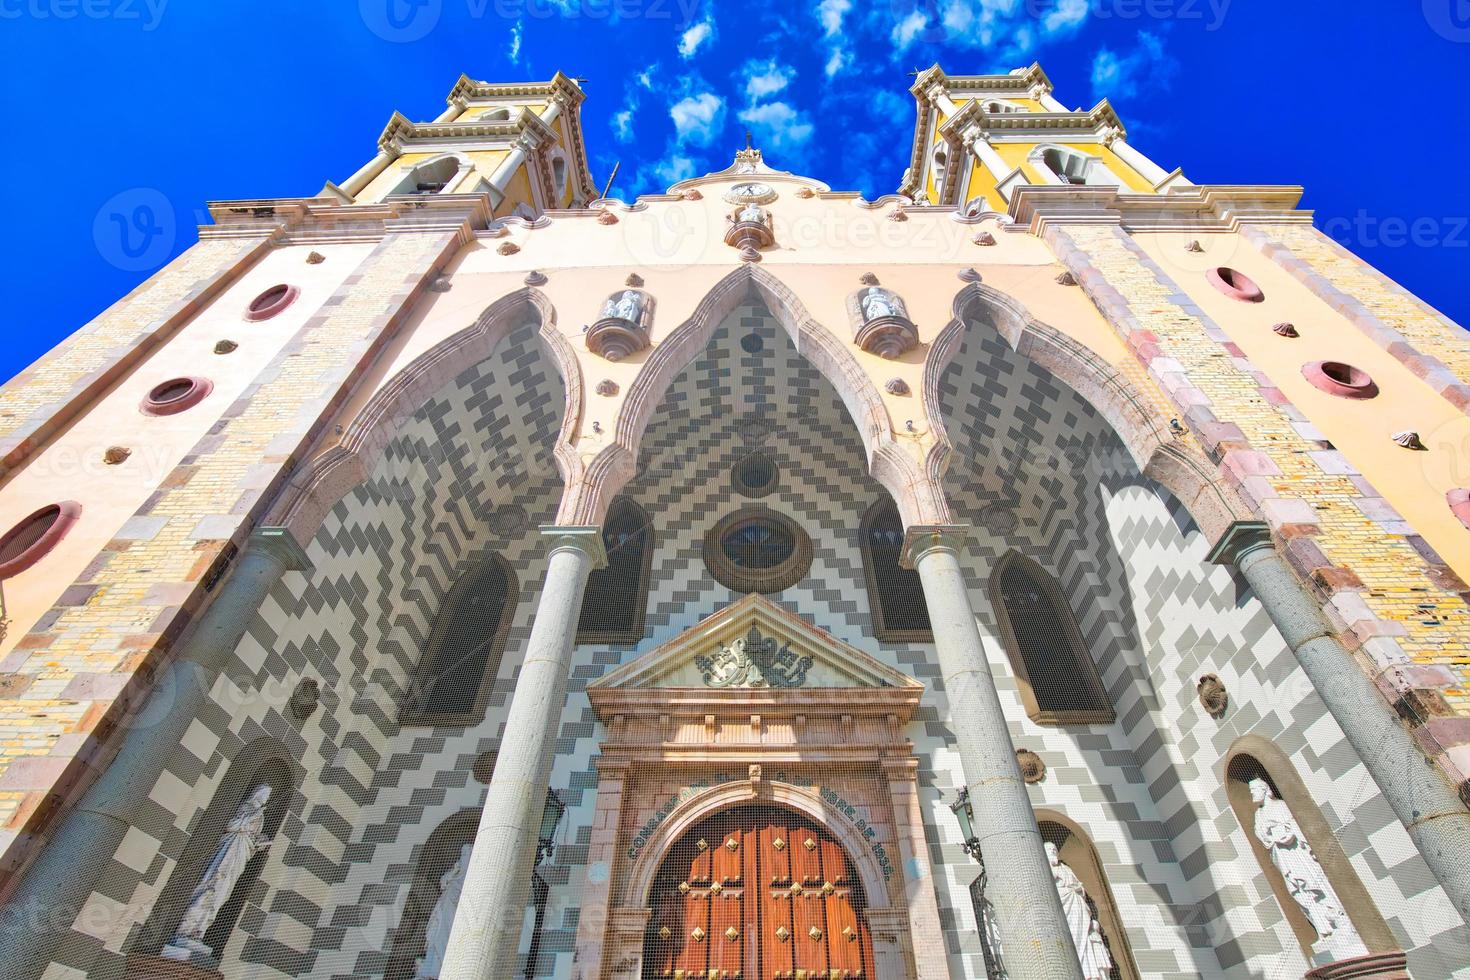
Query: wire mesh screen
1059, 669
900, 594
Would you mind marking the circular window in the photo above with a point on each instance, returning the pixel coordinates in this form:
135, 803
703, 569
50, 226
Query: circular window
175, 395
271, 302
30, 540
757, 550
1235, 284
752, 343
1337, 378
754, 475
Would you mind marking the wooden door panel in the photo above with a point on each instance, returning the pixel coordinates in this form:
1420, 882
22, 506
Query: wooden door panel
745, 897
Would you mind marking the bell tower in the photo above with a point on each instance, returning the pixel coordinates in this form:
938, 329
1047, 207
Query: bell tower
520, 143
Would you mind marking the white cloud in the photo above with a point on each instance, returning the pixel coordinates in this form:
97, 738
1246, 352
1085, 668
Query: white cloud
1065, 15
907, 30
622, 122
515, 42
645, 77
697, 117
777, 125
763, 78
696, 37
673, 169
1116, 76
830, 12
838, 60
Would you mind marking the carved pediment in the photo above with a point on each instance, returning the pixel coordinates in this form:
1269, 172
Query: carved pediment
754, 645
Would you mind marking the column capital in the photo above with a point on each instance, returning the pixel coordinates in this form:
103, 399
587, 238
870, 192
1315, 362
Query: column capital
1240, 539
585, 538
280, 544
920, 539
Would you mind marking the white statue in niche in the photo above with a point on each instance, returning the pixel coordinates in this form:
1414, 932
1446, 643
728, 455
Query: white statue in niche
1092, 952
880, 302
441, 920
244, 837
752, 212
627, 305
1306, 882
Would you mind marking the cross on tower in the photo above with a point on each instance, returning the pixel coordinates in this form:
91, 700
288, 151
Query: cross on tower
747, 139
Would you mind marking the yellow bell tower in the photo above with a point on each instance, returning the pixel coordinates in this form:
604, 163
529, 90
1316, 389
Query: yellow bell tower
520, 143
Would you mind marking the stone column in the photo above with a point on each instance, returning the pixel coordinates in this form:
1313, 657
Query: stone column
492, 907
1423, 800
38, 915
1033, 930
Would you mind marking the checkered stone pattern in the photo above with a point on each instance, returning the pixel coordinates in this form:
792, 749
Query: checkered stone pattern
1036, 471
384, 559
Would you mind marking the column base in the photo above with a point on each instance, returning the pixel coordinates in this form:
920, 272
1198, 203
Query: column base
141, 967
1374, 966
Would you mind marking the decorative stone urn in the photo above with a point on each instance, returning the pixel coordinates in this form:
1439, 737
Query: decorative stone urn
624, 325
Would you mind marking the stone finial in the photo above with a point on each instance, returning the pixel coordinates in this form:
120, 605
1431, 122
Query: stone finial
1212, 695
305, 699
508, 248
1033, 770
805, 192
1194, 246
969, 275
116, 455
897, 214
315, 258
606, 217
441, 284
1409, 439
1066, 279
535, 278
634, 279
1286, 330
607, 387
868, 279
226, 347
896, 386
692, 195
984, 238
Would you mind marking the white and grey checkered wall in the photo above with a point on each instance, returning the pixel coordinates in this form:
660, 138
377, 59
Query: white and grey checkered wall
1036, 470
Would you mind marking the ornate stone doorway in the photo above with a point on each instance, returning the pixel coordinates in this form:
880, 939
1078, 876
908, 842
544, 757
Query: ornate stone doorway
750, 728
758, 893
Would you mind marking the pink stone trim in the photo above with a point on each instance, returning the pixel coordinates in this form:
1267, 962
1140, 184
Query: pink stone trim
153, 404
62, 516
1459, 501
1235, 284
1338, 378
271, 302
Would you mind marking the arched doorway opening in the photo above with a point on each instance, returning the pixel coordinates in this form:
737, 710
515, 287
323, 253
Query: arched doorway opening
757, 891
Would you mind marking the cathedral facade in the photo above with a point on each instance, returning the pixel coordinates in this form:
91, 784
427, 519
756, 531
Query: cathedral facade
1053, 569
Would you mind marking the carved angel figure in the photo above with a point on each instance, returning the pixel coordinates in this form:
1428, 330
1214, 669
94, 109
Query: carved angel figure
1092, 952
1306, 882
441, 920
627, 305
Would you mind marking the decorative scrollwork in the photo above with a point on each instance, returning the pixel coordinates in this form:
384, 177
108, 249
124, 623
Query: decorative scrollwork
754, 661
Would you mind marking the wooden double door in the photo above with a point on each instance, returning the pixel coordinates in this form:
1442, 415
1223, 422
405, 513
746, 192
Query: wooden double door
757, 893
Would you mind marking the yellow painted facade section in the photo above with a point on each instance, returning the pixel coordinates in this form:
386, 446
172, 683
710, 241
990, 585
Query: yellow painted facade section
517, 191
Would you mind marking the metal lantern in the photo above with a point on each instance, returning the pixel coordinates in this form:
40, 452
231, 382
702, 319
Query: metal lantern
551, 815
964, 812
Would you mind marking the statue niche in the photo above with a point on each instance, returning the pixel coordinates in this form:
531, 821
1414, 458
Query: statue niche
624, 325
881, 321
749, 226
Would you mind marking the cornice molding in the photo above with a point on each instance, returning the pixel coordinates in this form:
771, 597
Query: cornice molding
1220, 207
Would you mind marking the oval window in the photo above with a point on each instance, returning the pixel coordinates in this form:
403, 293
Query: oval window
271, 302
30, 540
1338, 378
757, 550
175, 395
1235, 284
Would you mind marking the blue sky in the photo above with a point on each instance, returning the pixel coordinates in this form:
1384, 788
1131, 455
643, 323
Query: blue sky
127, 115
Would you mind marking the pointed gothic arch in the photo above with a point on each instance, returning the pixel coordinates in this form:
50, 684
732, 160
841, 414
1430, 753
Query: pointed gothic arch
1174, 462
317, 487
601, 478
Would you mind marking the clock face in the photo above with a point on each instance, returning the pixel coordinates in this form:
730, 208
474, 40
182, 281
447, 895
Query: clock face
751, 192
